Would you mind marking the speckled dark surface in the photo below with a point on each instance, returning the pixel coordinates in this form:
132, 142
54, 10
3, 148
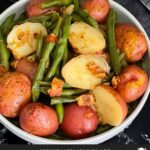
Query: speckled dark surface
139, 131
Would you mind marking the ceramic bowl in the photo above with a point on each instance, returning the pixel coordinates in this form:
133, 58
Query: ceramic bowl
123, 16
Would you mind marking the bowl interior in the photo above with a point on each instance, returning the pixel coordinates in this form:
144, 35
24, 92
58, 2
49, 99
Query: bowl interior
123, 16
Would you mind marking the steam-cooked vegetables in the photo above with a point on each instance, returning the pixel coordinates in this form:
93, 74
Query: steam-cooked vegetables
85, 71
61, 47
43, 62
78, 80
22, 40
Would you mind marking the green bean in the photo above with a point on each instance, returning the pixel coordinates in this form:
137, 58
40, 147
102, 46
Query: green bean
43, 62
114, 56
47, 20
122, 60
65, 56
66, 86
70, 92
65, 92
76, 18
60, 112
61, 48
21, 18
39, 46
7, 24
56, 3
45, 83
84, 15
44, 90
4, 53
102, 128
108, 78
60, 100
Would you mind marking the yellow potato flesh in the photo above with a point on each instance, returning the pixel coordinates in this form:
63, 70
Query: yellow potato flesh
77, 74
107, 106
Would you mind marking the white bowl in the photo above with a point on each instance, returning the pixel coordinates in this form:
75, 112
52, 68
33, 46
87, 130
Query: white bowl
123, 16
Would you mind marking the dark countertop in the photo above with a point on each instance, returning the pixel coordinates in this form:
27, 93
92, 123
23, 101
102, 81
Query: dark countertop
139, 131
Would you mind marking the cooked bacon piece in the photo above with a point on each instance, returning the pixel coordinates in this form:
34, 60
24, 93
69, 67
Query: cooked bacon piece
51, 38
96, 70
115, 81
56, 89
86, 100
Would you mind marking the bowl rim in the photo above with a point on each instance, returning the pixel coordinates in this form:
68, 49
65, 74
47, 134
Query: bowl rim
97, 139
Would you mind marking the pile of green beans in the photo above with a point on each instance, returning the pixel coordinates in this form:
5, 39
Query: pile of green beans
46, 20
61, 48
43, 62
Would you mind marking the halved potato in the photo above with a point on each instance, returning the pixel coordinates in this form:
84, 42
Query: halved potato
85, 39
22, 40
85, 71
111, 108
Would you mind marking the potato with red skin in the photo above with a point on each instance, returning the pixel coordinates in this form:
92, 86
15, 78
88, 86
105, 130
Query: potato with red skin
131, 41
27, 68
15, 93
110, 106
33, 8
133, 83
98, 9
38, 119
79, 122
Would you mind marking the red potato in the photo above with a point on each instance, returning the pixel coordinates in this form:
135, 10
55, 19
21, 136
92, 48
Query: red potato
79, 122
15, 93
33, 8
27, 68
111, 108
38, 119
98, 9
133, 83
131, 41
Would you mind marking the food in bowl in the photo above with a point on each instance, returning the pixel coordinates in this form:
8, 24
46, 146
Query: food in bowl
80, 75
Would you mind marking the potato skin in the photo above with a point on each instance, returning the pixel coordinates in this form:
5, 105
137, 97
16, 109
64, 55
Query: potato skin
131, 41
98, 9
78, 121
27, 68
33, 8
133, 83
15, 93
38, 119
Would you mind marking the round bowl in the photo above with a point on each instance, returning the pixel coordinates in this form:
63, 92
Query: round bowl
123, 16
